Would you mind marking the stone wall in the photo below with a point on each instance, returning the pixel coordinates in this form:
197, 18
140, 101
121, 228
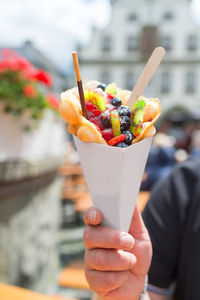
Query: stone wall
29, 223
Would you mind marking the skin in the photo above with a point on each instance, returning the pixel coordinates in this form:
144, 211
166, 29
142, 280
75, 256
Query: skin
116, 263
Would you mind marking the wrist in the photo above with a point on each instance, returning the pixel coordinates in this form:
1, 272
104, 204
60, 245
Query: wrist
143, 296
144, 291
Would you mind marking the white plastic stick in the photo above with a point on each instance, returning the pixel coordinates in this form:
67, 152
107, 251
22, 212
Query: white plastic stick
148, 72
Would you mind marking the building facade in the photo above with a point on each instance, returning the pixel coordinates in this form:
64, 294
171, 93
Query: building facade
120, 52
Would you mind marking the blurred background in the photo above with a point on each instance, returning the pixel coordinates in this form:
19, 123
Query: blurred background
43, 193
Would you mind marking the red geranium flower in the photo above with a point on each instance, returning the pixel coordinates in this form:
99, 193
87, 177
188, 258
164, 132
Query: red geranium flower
29, 91
42, 76
53, 101
14, 62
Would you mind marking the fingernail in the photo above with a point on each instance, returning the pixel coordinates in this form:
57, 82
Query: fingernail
126, 240
92, 216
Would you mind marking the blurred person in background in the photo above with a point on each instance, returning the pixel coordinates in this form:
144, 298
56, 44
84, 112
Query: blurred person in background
195, 142
117, 263
160, 161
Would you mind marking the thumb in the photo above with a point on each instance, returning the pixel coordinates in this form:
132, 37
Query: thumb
137, 226
92, 216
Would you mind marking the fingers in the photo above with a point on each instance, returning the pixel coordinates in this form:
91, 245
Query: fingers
92, 217
104, 282
109, 260
103, 237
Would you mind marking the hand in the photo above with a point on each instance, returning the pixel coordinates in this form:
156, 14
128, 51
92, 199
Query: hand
116, 263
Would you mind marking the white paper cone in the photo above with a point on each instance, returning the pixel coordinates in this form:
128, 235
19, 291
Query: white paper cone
113, 177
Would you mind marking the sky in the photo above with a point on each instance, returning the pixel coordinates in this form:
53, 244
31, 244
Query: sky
195, 9
56, 26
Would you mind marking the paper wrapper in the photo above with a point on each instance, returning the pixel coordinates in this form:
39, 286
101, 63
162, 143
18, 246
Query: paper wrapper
113, 177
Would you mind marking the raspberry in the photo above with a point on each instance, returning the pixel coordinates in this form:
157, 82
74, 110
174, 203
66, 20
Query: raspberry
116, 140
96, 112
96, 122
90, 114
90, 106
107, 134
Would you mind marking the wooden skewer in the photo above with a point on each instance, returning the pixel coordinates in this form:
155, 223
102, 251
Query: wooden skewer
79, 83
147, 74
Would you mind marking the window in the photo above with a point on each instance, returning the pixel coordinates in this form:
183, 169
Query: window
166, 42
132, 17
168, 16
192, 43
129, 81
132, 43
165, 83
149, 39
106, 44
105, 77
190, 83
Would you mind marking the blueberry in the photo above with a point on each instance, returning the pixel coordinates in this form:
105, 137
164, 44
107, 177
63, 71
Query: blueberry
129, 137
124, 123
116, 101
106, 119
124, 111
102, 86
122, 145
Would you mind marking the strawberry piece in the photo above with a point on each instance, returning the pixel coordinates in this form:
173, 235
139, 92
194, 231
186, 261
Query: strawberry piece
110, 96
107, 134
96, 122
116, 140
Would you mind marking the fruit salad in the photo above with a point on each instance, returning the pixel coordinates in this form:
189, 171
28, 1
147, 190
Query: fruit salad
110, 121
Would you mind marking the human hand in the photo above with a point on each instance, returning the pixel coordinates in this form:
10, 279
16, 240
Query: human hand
116, 263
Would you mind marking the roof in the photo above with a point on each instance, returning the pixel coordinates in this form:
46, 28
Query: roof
38, 59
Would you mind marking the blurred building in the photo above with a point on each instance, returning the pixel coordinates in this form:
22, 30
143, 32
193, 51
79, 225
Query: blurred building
41, 61
137, 26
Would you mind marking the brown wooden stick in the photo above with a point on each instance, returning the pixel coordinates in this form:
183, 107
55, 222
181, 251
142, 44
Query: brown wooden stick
76, 66
79, 83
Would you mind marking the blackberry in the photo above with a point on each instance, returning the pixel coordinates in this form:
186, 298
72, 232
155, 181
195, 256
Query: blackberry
124, 111
124, 123
129, 137
106, 119
116, 102
122, 145
102, 86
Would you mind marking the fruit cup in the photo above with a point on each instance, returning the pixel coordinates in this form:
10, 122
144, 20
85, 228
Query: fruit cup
113, 177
